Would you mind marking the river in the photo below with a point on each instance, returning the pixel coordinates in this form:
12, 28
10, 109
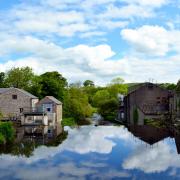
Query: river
102, 152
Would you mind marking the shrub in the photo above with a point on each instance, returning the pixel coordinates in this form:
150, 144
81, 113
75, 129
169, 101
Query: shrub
135, 116
69, 122
7, 131
2, 139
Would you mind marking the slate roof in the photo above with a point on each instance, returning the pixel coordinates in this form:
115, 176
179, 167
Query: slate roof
54, 99
3, 90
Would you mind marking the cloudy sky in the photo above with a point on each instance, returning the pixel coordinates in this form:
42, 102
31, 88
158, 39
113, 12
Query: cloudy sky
93, 39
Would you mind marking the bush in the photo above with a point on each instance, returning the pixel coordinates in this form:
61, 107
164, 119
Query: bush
7, 131
135, 116
2, 139
69, 122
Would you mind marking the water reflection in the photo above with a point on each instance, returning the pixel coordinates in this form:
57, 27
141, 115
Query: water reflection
103, 152
28, 138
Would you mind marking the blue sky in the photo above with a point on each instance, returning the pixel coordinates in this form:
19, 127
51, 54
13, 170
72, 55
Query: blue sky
98, 39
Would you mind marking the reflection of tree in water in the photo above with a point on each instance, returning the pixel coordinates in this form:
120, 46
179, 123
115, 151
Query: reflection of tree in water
28, 145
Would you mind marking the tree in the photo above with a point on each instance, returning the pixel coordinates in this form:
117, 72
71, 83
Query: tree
100, 97
53, 84
20, 78
88, 83
2, 79
116, 87
76, 104
108, 109
117, 80
178, 87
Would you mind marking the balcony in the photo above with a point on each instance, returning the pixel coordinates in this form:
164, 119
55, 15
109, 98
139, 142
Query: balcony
32, 111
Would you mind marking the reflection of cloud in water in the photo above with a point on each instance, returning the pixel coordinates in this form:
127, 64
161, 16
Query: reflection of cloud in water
85, 140
156, 159
91, 139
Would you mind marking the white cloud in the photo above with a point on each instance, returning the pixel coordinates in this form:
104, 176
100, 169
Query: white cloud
152, 160
83, 62
152, 40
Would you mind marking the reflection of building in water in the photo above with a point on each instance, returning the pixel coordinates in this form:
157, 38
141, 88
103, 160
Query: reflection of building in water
149, 134
177, 141
40, 134
30, 137
146, 101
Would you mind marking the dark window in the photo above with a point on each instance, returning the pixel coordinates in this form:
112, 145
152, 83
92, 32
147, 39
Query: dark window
21, 110
14, 96
48, 109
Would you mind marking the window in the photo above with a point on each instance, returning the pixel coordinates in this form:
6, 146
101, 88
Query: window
48, 109
21, 110
14, 96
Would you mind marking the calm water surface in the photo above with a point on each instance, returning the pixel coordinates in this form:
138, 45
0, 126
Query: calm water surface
103, 152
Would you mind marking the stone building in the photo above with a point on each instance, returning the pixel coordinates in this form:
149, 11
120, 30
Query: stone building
52, 107
146, 101
17, 104
14, 100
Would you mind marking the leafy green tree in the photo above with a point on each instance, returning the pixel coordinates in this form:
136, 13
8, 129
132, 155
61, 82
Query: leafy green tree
116, 89
169, 86
117, 86
76, 104
88, 83
36, 87
108, 109
117, 80
100, 97
2, 80
19, 78
53, 84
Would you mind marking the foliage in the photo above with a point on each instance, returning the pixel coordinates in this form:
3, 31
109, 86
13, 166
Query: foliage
76, 104
100, 97
53, 84
2, 139
88, 83
2, 79
7, 131
19, 78
154, 122
168, 86
69, 122
135, 116
116, 89
117, 80
1, 115
108, 109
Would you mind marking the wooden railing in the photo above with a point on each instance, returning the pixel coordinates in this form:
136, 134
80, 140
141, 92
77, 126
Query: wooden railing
32, 110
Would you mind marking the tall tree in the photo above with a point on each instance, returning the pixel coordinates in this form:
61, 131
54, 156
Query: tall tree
88, 83
2, 79
53, 84
20, 77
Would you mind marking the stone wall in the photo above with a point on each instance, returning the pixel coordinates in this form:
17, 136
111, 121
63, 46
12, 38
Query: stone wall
11, 107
